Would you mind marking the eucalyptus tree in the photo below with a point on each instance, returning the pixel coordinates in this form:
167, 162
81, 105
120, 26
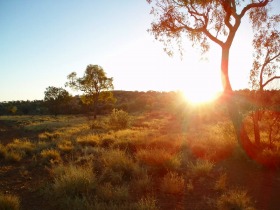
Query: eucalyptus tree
265, 68
56, 99
204, 22
95, 85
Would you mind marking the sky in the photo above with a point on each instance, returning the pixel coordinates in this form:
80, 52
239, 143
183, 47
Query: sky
41, 42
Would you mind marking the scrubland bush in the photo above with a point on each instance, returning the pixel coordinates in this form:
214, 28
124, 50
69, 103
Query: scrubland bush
119, 119
51, 155
117, 194
221, 182
235, 199
21, 146
173, 183
118, 163
14, 156
88, 140
147, 203
3, 151
200, 168
9, 202
65, 146
71, 180
159, 158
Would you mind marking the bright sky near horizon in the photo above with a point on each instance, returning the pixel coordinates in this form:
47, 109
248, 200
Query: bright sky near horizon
41, 42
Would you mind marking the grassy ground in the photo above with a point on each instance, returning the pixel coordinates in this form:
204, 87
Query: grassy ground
160, 161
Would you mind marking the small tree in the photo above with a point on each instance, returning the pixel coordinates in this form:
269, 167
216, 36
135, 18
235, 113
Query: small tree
56, 99
93, 84
13, 109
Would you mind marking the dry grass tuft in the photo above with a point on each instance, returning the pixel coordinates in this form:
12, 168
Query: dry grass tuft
235, 199
200, 168
51, 155
88, 140
9, 202
173, 183
221, 182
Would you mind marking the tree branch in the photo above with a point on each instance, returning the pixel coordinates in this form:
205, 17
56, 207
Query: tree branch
270, 80
253, 5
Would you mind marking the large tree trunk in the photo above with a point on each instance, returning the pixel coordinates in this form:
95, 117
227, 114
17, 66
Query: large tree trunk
256, 119
231, 103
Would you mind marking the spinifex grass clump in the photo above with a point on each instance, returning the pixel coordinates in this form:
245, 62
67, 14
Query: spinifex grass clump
173, 183
200, 168
50, 156
88, 140
21, 146
9, 202
235, 199
72, 187
65, 146
118, 166
3, 151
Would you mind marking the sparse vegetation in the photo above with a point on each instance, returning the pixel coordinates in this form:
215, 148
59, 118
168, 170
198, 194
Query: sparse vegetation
140, 167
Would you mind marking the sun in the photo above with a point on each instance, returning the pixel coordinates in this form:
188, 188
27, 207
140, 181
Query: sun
203, 84
200, 96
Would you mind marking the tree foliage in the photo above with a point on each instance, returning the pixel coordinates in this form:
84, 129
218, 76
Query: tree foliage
204, 21
56, 99
266, 43
94, 83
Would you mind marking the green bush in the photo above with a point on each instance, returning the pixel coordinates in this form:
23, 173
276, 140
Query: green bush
119, 119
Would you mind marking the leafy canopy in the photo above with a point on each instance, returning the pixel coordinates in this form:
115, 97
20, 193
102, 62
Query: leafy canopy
203, 20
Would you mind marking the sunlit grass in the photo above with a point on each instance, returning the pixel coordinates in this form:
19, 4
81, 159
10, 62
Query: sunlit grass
25, 146
213, 142
200, 168
65, 146
221, 182
50, 155
130, 168
235, 199
173, 183
88, 140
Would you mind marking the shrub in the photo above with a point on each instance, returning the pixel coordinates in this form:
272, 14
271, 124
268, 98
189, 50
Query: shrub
201, 167
14, 156
51, 155
9, 202
65, 146
117, 162
23, 147
173, 183
115, 194
158, 158
119, 119
88, 140
71, 181
142, 185
221, 182
3, 151
148, 203
235, 199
